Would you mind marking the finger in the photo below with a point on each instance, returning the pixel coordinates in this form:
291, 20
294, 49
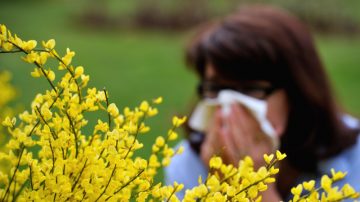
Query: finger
242, 136
229, 151
238, 139
214, 127
211, 146
247, 121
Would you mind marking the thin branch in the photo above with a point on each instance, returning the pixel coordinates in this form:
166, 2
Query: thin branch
38, 65
31, 177
46, 123
136, 134
107, 106
78, 178
75, 135
20, 190
53, 157
21, 51
172, 193
22, 148
72, 75
126, 184
102, 193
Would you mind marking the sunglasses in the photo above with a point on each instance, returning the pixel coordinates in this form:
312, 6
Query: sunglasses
209, 89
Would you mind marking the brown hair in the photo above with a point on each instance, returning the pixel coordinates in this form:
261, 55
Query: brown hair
264, 43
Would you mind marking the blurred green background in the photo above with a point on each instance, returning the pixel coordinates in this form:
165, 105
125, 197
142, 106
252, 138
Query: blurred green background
135, 48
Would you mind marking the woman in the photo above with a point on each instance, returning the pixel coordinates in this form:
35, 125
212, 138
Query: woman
267, 54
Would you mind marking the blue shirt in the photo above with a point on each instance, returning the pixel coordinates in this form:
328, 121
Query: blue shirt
187, 167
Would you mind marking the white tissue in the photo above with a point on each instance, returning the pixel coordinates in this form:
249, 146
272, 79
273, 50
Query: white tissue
201, 116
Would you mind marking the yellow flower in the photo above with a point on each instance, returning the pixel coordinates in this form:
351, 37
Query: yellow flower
309, 185
176, 121
51, 75
326, 182
160, 141
172, 135
101, 126
337, 175
49, 45
166, 161
213, 183
274, 171
31, 57
36, 73
268, 158
113, 110
348, 190
152, 112
42, 58
279, 155
79, 71
180, 150
269, 180
143, 128
68, 57
158, 100
144, 106
9, 122
215, 162
85, 79
231, 191
29, 45
7, 46
253, 192
297, 190
140, 163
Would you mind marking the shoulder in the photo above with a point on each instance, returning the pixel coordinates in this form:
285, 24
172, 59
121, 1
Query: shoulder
186, 167
350, 121
347, 161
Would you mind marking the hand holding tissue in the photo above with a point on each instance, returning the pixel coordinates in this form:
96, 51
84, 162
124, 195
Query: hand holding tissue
205, 109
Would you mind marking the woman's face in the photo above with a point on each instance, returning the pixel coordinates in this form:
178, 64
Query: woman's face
278, 105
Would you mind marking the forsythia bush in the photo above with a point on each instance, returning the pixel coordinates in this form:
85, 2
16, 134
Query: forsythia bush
52, 159
7, 94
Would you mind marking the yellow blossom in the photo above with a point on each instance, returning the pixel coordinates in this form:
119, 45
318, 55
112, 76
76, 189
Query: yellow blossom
36, 73
113, 110
152, 112
337, 175
7, 46
215, 162
29, 45
160, 141
144, 106
172, 135
309, 185
31, 57
176, 121
158, 100
9, 122
279, 155
49, 45
326, 183
268, 158
79, 71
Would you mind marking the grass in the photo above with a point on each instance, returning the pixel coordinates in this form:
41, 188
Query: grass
341, 57
136, 65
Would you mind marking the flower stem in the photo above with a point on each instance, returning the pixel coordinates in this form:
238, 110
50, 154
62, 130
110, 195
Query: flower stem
112, 174
75, 135
107, 104
126, 184
22, 148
